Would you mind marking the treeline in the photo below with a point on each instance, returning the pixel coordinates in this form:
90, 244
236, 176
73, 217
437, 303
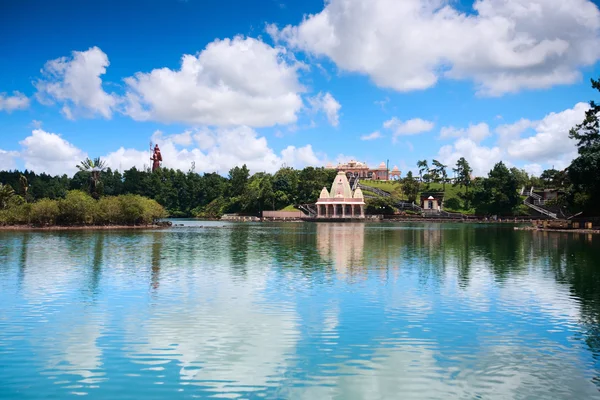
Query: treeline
181, 194
78, 208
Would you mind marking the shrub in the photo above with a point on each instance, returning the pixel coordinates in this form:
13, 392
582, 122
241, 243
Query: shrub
138, 210
108, 211
77, 208
453, 204
44, 212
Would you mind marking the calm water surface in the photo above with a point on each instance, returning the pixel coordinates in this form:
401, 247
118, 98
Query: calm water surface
300, 311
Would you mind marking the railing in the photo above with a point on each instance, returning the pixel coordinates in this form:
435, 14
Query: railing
309, 209
375, 190
539, 209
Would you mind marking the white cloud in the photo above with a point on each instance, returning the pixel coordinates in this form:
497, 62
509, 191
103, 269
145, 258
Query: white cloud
474, 132
503, 46
481, 158
239, 81
371, 136
49, 153
76, 83
551, 142
7, 160
547, 146
18, 101
326, 103
216, 151
413, 126
533, 169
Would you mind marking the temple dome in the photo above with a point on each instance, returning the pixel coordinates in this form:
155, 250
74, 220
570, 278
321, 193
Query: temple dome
395, 168
382, 165
340, 188
324, 194
358, 194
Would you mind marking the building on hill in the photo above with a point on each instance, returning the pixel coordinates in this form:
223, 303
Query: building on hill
432, 202
341, 201
363, 171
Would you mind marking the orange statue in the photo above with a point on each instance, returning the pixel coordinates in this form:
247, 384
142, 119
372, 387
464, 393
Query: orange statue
156, 158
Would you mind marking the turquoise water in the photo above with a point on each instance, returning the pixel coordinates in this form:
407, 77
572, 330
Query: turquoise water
300, 311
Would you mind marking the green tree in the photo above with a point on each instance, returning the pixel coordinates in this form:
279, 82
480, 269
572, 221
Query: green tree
95, 167
463, 174
410, 187
439, 171
423, 167
6, 193
521, 176
583, 172
496, 195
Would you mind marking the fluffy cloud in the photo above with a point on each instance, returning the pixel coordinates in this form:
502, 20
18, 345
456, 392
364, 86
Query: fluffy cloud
49, 153
551, 142
474, 132
371, 136
326, 103
410, 127
18, 101
239, 81
7, 160
76, 83
548, 145
216, 151
481, 158
503, 45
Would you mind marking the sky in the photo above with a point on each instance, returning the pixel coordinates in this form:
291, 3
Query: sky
272, 83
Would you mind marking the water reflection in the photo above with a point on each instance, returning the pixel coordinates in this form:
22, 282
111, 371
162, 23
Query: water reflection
342, 244
301, 311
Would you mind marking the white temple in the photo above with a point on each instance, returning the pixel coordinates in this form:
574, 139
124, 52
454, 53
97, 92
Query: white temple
341, 201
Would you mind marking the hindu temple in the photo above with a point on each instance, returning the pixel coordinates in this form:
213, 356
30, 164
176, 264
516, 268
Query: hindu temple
363, 171
341, 201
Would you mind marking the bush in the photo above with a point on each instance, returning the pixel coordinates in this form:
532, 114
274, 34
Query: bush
214, 209
108, 211
77, 208
44, 212
138, 210
453, 204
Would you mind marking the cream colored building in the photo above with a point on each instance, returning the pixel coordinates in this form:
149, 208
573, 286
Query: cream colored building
363, 171
341, 201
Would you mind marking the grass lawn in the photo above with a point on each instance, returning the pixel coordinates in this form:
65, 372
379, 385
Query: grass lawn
289, 208
450, 192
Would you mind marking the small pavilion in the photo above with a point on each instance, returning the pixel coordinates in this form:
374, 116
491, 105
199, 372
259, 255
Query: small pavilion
341, 201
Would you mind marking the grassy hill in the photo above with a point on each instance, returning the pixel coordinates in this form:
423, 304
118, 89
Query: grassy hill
394, 188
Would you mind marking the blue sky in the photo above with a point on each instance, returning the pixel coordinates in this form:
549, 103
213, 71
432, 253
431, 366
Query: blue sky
268, 83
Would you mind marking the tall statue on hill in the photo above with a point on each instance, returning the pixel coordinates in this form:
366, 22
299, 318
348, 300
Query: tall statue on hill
156, 158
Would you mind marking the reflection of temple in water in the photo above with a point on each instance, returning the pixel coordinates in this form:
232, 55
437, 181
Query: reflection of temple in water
343, 244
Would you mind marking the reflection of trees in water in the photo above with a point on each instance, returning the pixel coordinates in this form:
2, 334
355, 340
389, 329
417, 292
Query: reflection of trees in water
238, 248
97, 262
295, 245
157, 243
23, 256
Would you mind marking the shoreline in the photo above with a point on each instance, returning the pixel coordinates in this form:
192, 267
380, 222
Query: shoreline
580, 231
79, 228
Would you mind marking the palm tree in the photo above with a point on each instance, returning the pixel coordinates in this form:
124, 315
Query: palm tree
422, 165
6, 193
440, 172
96, 167
24, 185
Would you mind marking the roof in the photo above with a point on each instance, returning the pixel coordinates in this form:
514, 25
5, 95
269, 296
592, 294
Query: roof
324, 194
340, 188
358, 194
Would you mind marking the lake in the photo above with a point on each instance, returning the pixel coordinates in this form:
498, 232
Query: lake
300, 311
